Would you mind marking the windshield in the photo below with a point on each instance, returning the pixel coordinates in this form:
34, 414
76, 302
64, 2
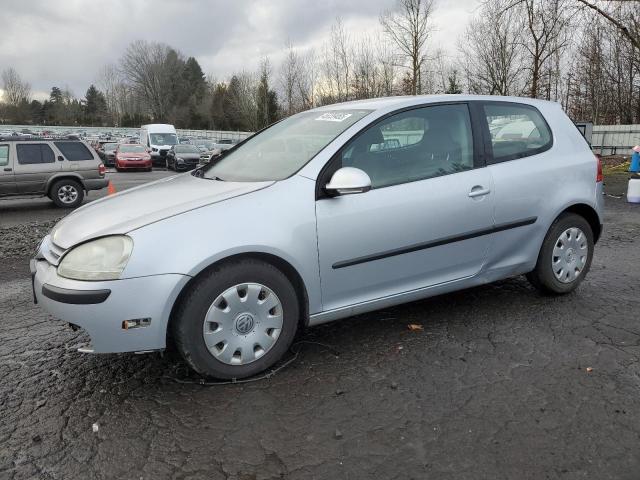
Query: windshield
110, 146
132, 149
163, 138
186, 149
284, 148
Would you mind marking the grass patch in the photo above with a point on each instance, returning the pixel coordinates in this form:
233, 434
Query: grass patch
612, 169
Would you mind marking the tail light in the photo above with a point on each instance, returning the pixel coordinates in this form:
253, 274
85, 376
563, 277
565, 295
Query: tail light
102, 169
599, 175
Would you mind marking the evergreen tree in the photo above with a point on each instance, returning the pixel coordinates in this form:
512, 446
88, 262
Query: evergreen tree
454, 87
267, 101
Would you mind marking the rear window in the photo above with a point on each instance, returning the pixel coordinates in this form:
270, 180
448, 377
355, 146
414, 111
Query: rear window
74, 151
516, 131
34, 153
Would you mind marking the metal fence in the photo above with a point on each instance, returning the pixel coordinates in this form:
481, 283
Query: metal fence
615, 139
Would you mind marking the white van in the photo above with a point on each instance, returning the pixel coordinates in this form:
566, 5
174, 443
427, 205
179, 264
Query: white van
159, 138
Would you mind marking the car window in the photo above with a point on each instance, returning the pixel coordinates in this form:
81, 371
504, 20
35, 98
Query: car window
414, 145
285, 147
132, 149
516, 131
4, 155
34, 153
74, 151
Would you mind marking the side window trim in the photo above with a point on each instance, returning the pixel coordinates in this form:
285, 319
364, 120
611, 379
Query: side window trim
41, 148
8, 147
332, 164
491, 160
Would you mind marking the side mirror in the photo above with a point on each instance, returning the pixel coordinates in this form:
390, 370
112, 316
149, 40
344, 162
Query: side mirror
348, 180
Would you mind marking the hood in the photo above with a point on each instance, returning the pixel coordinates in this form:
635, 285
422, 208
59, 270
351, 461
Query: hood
133, 154
140, 206
188, 155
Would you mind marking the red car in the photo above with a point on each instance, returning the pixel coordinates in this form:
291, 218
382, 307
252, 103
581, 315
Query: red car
132, 155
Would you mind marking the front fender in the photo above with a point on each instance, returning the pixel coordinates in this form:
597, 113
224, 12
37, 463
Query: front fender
278, 221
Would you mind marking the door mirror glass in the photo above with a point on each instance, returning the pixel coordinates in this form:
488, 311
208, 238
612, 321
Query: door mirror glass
348, 180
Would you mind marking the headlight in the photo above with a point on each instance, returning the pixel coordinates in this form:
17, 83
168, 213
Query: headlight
101, 259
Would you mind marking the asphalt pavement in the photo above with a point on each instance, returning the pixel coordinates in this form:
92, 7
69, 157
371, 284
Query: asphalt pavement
495, 382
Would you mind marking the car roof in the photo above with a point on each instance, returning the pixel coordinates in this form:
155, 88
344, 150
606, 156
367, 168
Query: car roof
18, 138
385, 103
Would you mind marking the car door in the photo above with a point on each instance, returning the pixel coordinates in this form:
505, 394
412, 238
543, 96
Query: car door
34, 165
7, 180
424, 222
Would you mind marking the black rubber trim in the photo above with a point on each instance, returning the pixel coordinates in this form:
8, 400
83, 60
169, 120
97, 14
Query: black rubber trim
434, 243
75, 297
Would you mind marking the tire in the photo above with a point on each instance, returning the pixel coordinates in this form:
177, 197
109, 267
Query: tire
250, 346
562, 271
67, 193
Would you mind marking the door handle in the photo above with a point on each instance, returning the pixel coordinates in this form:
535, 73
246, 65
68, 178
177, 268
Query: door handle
7, 169
479, 191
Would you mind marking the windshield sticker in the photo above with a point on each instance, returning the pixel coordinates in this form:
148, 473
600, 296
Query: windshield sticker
333, 117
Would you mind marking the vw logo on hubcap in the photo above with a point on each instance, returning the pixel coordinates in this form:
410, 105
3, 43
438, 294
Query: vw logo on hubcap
244, 323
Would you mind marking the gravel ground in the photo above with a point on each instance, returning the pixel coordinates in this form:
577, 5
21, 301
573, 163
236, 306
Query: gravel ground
22, 240
499, 383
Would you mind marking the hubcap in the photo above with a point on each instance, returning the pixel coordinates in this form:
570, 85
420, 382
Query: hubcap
570, 255
243, 323
67, 194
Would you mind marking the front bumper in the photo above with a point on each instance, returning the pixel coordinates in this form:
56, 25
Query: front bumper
134, 163
100, 308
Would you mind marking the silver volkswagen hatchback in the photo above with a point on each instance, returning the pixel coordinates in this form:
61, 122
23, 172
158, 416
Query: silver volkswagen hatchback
329, 213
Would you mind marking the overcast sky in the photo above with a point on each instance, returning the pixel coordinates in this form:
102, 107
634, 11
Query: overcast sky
66, 42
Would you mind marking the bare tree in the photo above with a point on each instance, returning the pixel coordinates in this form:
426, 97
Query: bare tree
15, 89
491, 50
151, 69
388, 73
629, 27
409, 26
545, 34
307, 79
289, 71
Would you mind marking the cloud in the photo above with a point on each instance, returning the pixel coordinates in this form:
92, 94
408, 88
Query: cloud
66, 42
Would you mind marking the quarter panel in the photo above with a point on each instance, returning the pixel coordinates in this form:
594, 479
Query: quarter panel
539, 186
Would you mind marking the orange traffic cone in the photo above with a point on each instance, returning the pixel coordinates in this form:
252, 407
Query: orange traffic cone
110, 188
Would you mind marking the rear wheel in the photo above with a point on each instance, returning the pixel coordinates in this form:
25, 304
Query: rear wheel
565, 256
67, 193
237, 320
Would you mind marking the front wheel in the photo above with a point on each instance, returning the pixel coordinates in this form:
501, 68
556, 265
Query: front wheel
237, 320
565, 256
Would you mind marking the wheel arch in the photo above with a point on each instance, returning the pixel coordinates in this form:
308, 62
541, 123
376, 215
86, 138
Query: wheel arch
278, 262
589, 214
63, 176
